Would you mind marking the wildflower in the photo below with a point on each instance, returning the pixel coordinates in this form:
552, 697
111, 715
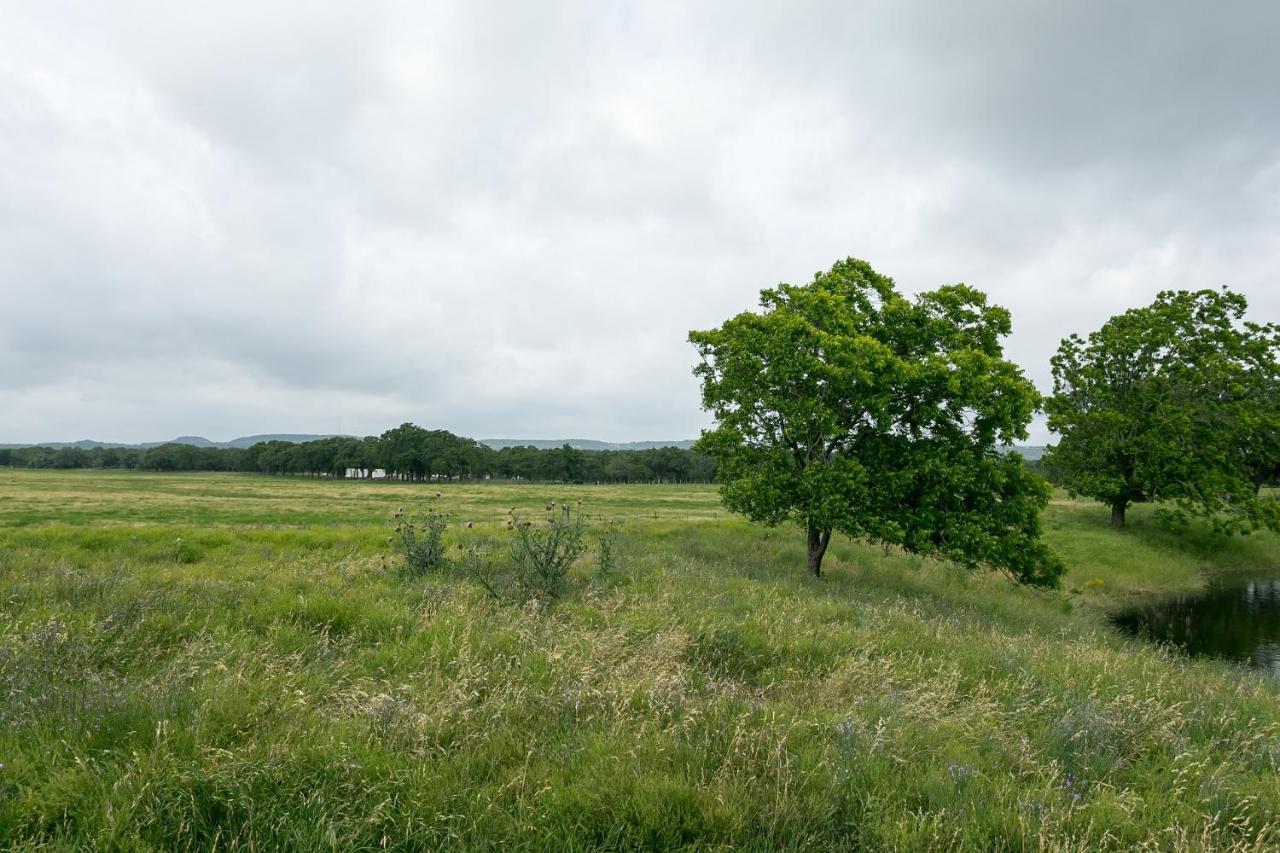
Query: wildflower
1071, 785
960, 774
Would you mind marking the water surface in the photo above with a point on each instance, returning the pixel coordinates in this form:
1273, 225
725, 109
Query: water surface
1238, 620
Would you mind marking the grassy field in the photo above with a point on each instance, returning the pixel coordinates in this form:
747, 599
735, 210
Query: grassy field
225, 662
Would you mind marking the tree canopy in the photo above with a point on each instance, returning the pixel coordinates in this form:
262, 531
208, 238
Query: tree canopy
844, 406
1176, 401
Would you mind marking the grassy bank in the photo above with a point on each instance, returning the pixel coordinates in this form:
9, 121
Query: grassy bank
265, 683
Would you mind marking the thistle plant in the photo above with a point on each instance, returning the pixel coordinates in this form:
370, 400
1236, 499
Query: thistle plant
420, 543
542, 554
607, 551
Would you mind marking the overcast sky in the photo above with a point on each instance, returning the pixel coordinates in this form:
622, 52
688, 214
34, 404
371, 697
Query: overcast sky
504, 218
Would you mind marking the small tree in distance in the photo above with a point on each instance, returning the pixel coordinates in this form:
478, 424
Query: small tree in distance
846, 407
1177, 401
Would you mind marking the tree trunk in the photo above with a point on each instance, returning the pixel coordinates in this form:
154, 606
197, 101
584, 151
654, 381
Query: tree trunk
1117, 514
818, 541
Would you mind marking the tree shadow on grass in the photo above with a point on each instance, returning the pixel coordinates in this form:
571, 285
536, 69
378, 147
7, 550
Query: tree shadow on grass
1197, 539
864, 575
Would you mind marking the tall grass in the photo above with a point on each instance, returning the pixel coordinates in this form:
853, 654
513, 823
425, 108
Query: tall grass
281, 687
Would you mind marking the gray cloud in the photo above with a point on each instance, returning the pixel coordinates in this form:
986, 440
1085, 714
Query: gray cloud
503, 218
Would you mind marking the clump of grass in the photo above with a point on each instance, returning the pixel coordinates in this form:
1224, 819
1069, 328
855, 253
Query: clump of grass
478, 561
420, 543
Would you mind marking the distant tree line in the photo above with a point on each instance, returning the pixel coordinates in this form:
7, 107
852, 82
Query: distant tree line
407, 452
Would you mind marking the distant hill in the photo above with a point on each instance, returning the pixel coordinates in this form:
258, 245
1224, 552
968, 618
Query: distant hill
86, 444
193, 440
83, 444
1030, 452
295, 438
583, 443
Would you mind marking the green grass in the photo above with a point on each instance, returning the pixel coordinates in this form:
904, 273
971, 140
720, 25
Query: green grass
269, 684
106, 498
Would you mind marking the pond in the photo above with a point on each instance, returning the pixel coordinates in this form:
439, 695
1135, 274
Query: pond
1238, 620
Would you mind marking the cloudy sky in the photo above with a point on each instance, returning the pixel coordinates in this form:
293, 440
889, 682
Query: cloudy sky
503, 218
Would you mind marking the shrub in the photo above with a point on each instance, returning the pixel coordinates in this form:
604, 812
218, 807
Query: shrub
421, 543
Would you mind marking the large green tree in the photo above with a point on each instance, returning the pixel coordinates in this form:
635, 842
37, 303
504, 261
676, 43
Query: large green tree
845, 407
1261, 450
1175, 401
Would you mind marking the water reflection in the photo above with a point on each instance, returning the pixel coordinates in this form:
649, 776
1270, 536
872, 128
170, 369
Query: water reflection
1239, 621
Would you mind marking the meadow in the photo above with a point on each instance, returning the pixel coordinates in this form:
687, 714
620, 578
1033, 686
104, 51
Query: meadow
219, 661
